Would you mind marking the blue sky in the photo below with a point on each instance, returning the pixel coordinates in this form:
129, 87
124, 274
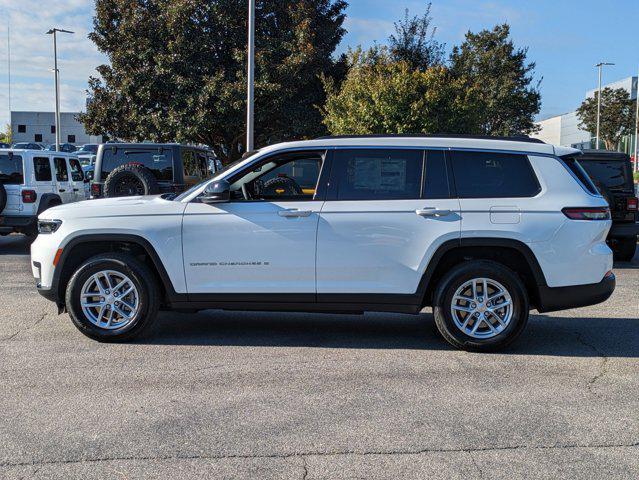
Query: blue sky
565, 38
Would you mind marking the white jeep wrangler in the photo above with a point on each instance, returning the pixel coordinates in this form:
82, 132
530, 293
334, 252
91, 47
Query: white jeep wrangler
32, 181
481, 230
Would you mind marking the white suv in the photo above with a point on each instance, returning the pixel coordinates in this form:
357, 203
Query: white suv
32, 181
482, 230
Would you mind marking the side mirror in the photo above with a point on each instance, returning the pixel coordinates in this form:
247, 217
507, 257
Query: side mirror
216, 192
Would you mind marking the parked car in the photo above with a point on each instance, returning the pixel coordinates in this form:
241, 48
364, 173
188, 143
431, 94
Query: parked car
124, 169
28, 146
611, 172
4, 145
64, 147
482, 230
32, 181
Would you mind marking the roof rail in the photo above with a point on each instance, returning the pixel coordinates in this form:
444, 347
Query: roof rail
514, 138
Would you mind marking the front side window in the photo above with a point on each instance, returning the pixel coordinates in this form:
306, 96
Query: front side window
493, 175
61, 173
11, 171
378, 174
76, 170
42, 169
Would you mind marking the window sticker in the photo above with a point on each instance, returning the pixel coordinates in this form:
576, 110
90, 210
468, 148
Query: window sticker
379, 174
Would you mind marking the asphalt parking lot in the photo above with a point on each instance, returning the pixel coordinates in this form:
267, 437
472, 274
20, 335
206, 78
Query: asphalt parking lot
302, 396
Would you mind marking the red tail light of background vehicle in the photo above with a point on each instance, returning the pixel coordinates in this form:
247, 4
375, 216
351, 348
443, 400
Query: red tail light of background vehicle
632, 203
96, 189
29, 196
587, 213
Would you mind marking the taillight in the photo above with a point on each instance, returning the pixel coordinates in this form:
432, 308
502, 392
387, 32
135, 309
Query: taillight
632, 203
29, 196
96, 190
587, 213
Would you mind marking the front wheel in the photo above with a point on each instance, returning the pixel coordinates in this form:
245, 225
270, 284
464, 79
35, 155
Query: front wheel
112, 297
480, 306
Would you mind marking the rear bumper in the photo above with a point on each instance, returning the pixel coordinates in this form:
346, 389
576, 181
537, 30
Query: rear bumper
620, 230
563, 298
12, 223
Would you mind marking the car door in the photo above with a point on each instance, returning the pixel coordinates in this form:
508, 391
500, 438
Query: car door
386, 213
256, 248
78, 185
63, 184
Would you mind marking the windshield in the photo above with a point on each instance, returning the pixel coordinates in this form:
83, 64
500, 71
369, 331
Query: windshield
188, 192
89, 149
614, 175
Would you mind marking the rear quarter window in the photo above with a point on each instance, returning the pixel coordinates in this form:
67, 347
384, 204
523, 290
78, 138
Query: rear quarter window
493, 175
11, 169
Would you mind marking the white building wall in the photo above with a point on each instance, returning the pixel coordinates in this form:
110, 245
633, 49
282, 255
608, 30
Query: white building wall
550, 130
43, 123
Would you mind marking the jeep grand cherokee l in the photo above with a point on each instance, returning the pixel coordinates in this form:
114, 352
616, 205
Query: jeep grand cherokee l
481, 230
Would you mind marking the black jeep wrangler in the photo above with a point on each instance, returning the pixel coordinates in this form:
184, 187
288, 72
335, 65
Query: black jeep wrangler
125, 169
611, 172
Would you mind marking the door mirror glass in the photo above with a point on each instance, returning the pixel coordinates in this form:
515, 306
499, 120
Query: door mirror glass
216, 192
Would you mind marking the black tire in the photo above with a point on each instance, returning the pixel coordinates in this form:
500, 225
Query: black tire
130, 179
3, 197
287, 184
464, 272
625, 249
142, 278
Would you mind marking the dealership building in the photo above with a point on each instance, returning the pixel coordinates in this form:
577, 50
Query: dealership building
39, 127
564, 129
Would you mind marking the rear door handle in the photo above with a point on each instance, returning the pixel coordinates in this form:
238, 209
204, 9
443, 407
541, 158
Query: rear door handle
76, 189
61, 190
293, 213
432, 212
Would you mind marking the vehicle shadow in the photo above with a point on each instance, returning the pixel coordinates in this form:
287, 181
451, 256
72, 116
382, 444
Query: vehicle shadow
556, 336
14, 244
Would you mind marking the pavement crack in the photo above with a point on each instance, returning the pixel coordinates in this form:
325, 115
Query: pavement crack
472, 459
33, 325
304, 468
304, 455
603, 365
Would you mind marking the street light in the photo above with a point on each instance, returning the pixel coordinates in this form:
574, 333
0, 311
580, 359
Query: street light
56, 74
600, 65
251, 70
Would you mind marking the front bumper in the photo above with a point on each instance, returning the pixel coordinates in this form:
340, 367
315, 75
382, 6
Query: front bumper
552, 299
620, 230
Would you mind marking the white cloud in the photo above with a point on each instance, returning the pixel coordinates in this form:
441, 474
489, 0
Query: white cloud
32, 54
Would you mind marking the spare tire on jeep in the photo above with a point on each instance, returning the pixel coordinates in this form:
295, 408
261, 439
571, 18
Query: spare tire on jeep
3, 197
130, 179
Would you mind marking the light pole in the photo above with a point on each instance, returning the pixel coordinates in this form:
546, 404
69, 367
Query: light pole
251, 71
56, 75
600, 65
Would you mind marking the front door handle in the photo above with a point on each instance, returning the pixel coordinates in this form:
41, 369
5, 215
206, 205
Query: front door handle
432, 212
61, 190
293, 213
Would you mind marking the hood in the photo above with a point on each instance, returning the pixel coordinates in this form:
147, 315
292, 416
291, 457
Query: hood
115, 207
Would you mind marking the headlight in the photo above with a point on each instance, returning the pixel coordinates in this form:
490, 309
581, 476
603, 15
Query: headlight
48, 226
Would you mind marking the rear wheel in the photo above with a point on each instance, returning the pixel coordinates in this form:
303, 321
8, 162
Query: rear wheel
625, 248
481, 306
112, 297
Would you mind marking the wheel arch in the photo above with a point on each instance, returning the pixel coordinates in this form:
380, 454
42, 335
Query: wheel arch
80, 248
46, 201
511, 253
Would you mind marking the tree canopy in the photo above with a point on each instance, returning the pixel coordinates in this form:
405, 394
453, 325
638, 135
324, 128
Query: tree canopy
617, 115
486, 87
177, 70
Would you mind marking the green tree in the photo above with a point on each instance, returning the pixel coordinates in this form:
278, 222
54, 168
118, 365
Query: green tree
381, 95
617, 116
501, 81
414, 41
7, 135
177, 70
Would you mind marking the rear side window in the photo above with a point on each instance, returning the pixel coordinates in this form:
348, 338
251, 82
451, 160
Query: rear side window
195, 165
11, 169
378, 174
76, 170
436, 175
493, 175
578, 171
42, 169
158, 160
61, 173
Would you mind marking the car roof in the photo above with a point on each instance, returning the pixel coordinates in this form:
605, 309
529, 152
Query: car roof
149, 145
604, 155
38, 152
514, 144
